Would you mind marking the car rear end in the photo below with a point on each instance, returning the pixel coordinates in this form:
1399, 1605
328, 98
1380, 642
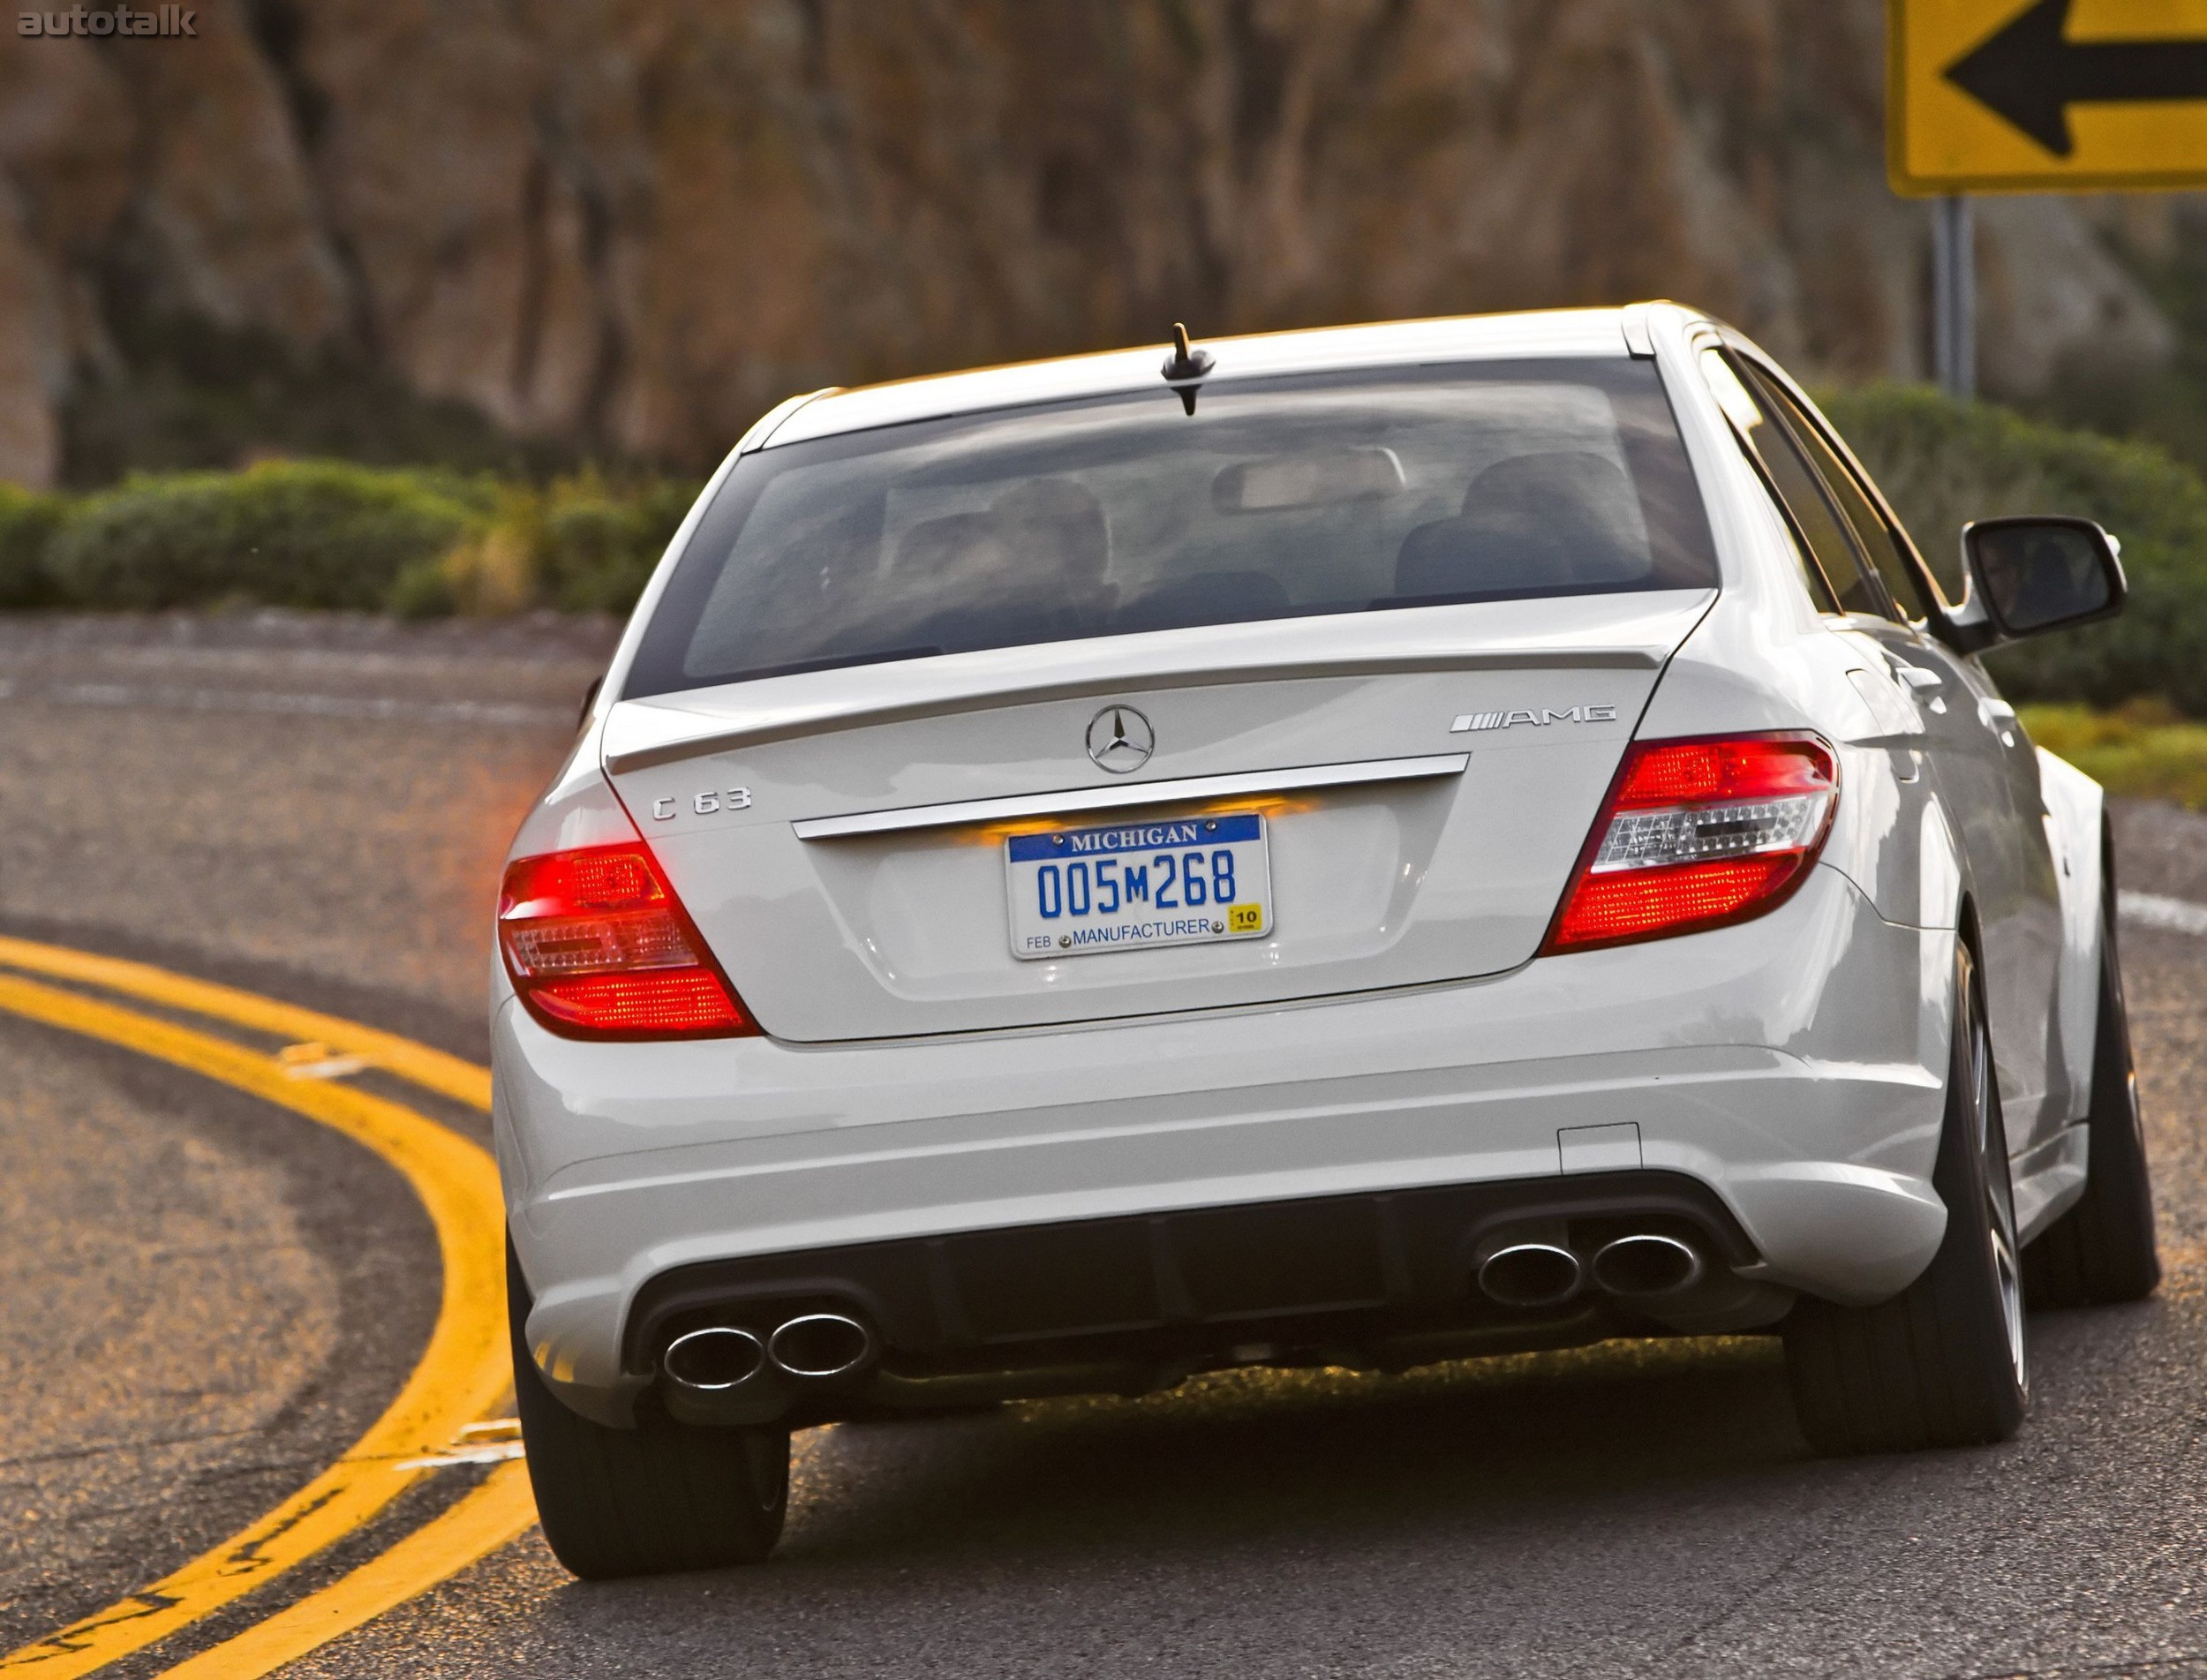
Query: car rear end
1079, 880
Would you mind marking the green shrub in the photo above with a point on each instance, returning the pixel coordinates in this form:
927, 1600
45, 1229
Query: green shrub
1943, 462
27, 523
418, 542
283, 533
492, 570
583, 545
596, 544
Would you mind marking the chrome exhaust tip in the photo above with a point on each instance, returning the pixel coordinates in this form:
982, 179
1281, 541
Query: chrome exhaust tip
714, 1359
1647, 1263
1530, 1274
820, 1345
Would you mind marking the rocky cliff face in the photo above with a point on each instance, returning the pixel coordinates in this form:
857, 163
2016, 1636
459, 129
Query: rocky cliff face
632, 224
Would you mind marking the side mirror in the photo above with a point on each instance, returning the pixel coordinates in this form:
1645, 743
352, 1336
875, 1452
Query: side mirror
2038, 574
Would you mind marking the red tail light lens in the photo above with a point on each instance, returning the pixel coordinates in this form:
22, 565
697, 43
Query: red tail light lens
598, 947
1699, 835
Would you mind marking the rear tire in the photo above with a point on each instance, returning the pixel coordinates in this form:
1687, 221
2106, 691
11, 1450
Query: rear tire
1943, 1364
2103, 1250
650, 1501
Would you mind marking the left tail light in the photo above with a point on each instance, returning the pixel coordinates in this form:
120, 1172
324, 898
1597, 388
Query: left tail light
1699, 834
598, 946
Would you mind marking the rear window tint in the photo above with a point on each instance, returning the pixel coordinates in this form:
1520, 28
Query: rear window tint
1277, 498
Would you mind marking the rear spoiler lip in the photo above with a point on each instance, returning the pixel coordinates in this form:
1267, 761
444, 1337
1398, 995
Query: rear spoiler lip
829, 717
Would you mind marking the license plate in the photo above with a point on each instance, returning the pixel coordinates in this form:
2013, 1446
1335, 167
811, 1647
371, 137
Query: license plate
1130, 887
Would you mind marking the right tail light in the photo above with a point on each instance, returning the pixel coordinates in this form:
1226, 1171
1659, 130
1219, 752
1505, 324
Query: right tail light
1699, 834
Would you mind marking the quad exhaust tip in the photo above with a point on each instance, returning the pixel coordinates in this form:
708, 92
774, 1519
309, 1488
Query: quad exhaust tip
714, 1359
1646, 1264
820, 1345
1530, 1274
1641, 1266
722, 1358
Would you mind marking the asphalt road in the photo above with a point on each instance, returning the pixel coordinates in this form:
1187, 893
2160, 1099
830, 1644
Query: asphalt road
203, 1299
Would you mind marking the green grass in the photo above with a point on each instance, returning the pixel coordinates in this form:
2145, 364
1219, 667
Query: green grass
2141, 750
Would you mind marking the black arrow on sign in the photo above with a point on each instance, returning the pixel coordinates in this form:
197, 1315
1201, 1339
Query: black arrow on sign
2028, 72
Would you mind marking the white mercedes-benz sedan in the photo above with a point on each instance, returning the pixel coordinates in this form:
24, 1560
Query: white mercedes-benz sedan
1359, 848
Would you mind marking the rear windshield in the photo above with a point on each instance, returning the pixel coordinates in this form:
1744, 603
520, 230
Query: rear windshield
1275, 498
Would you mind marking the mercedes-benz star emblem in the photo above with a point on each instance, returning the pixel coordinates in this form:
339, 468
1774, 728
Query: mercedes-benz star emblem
1120, 740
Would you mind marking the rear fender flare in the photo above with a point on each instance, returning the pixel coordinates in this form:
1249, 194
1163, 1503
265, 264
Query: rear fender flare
2075, 817
1942, 882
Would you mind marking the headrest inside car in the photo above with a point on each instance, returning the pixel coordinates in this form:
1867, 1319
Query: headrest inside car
1531, 521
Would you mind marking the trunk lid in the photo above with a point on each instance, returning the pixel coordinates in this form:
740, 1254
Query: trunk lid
1426, 778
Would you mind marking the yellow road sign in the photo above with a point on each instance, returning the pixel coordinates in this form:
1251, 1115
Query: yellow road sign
2046, 96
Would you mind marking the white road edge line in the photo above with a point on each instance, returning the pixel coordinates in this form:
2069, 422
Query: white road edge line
2151, 910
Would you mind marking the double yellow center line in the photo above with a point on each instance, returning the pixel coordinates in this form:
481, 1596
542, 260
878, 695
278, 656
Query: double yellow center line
463, 1372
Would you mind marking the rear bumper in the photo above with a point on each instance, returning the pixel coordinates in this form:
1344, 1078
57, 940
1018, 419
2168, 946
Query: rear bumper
1381, 1280
1791, 1067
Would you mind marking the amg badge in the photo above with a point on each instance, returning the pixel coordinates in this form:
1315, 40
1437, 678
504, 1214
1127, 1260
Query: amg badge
1545, 716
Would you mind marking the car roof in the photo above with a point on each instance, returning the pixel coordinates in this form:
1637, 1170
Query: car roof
1543, 333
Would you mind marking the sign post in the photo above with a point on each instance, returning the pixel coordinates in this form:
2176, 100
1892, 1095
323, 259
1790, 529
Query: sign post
2035, 96
1953, 296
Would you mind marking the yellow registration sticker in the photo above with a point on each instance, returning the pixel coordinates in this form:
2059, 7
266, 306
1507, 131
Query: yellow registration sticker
1246, 918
